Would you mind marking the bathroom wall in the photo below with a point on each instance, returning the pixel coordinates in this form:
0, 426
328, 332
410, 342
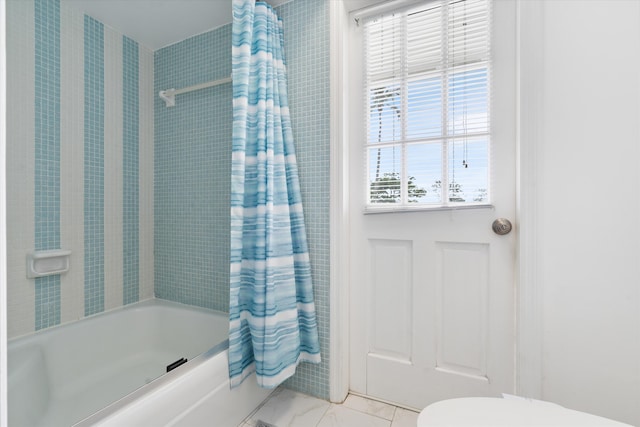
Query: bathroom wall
585, 198
79, 164
192, 172
193, 164
306, 43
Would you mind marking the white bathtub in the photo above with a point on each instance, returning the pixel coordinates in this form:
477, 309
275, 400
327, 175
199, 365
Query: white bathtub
108, 370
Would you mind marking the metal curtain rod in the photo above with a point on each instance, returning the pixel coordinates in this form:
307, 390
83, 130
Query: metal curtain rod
169, 95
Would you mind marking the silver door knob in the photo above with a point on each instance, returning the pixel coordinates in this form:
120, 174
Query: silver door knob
501, 226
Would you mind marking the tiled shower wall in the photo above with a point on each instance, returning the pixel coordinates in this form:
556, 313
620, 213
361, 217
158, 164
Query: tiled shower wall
193, 172
193, 164
306, 42
79, 164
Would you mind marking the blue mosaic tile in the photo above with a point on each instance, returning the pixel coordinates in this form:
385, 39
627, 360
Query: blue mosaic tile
193, 163
306, 39
192, 173
93, 166
47, 154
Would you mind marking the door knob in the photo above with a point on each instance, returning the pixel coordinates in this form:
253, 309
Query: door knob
501, 226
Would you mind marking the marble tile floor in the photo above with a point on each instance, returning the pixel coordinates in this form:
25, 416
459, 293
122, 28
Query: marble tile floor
287, 408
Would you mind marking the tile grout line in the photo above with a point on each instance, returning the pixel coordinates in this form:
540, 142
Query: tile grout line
373, 415
325, 413
376, 416
249, 417
383, 401
395, 407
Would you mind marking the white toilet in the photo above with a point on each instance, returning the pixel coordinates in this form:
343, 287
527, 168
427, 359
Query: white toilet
507, 411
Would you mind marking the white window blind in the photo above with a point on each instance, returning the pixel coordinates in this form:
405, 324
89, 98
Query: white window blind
427, 86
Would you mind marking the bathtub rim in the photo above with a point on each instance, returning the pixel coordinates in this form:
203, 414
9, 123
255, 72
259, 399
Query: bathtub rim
155, 385
131, 306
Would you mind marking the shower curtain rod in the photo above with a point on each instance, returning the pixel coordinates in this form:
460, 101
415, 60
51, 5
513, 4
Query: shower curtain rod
169, 95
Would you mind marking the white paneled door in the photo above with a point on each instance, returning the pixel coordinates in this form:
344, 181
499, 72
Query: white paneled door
432, 291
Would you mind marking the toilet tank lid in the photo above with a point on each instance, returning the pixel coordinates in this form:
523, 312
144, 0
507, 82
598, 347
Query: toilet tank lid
492, 411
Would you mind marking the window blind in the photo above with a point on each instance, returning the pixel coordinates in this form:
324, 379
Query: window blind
427, 83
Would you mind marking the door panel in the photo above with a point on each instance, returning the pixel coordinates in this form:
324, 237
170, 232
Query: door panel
431, 292
391, 317
461, 308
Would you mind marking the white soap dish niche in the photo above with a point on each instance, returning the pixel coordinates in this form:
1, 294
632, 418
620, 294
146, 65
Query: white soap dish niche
47, 263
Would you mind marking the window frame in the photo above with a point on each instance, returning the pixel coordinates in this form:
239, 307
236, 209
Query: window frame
445, 138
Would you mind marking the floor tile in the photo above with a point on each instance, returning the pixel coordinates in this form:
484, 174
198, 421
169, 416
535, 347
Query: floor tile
404, 418
369, 406
341, 416
291, 409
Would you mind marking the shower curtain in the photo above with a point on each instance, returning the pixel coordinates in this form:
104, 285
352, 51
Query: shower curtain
272, 314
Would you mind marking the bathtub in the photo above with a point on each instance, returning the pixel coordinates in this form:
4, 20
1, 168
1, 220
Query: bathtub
109, 370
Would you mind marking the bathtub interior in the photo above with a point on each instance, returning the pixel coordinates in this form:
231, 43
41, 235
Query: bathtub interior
64, 374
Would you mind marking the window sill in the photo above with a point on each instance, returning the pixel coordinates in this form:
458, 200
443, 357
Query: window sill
369, 210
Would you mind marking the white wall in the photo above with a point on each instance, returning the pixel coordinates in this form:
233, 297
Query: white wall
3, 219
588, 206
20, 163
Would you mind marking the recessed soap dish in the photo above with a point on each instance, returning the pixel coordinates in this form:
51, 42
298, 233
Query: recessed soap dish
46, 263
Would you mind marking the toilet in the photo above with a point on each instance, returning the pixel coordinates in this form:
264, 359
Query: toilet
506, 411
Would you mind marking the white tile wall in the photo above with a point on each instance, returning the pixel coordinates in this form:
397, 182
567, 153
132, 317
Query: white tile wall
20, 165
72, 160
21, 161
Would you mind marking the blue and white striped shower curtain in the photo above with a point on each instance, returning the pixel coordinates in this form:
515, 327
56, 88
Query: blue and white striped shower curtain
272, 313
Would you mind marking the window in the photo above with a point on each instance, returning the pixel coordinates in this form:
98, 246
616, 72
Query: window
427, 88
